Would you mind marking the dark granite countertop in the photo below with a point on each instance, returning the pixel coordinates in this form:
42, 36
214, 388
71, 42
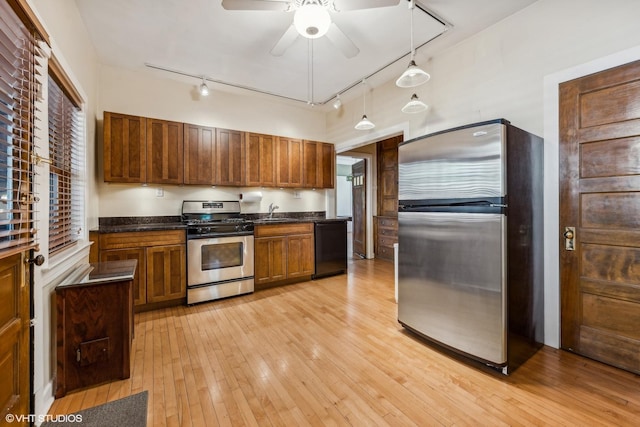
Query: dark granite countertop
101, 272
160, 223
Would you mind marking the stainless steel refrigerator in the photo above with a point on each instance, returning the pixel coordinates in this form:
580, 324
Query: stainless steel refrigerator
470, 269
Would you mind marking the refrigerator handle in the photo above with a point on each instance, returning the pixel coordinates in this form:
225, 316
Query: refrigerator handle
569, 238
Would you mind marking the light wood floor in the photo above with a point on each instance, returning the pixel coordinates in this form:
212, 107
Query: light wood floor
330, 352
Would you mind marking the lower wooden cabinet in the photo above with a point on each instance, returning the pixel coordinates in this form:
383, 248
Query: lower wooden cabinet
386, 234
162, 264
284, 253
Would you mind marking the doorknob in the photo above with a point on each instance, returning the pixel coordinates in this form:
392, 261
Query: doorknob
569, 238
38, 260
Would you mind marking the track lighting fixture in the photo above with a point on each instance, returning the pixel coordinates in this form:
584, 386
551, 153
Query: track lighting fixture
337, 103
413, 75
204, 89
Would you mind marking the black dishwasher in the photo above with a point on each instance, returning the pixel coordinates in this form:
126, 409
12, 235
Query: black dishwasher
330, 248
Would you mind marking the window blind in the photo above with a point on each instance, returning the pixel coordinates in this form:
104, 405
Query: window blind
66, 189
19, 83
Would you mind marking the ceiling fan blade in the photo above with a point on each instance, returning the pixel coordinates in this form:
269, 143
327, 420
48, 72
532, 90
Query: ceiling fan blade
341, 5
279, 5
341, 41
285, 41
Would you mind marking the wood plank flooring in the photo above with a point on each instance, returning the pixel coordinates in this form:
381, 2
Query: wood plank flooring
331, 352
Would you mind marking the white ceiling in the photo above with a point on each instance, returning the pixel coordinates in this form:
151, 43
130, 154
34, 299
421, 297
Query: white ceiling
232, 47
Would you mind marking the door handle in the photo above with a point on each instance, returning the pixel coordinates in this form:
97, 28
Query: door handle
569, 238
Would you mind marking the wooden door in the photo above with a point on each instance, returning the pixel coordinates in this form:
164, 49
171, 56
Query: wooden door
165, 152
14, 337
260, 160
300, 255
139, 280
600, 197
124, 148
359, 211
229, 157
387, 151
166, 273
199, 155
270, 259
289, 162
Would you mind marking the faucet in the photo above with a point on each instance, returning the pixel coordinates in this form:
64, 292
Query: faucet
271, 209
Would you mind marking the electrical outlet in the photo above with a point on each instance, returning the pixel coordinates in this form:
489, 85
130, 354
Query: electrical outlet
159, 192
297, 195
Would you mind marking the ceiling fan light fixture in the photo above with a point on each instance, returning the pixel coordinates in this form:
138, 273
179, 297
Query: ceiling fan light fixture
414, 106
204, 89
413, 76
364, 123
312, 20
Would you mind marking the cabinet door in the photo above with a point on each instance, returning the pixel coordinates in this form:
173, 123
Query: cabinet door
124, 148
166, 272
310, 158
229, 157
139, 280
326, 166
199, 155
270, 259
165, 152
300, 255
260, 160
289, 162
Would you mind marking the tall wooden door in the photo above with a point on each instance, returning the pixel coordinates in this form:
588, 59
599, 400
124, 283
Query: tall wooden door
600, 210
14, 338
359, 211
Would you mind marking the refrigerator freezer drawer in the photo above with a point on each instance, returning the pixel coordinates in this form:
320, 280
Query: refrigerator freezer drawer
452, 279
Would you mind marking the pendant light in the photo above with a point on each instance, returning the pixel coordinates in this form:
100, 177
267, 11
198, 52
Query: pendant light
413, 75
204, 89
414, 105
364, 123
312, 19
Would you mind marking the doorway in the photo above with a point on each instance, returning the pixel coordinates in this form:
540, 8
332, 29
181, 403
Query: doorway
344, 198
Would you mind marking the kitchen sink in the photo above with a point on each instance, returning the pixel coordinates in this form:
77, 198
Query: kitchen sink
280, 219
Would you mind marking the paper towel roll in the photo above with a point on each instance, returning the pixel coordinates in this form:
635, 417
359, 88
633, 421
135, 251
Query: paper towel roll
251, 196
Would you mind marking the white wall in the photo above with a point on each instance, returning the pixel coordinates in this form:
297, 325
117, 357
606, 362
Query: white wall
501, 72
70, 45
151, 94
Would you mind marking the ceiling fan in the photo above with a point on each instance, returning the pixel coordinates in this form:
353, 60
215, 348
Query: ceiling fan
311, 19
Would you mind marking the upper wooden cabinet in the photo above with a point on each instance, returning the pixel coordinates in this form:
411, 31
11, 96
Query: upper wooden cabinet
199, 155
229, 157
260, 169
319, 164
124, 148
146, 150
289, 168
165, 152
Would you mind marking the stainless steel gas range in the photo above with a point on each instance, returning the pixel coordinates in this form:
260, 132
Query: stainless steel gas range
219, 250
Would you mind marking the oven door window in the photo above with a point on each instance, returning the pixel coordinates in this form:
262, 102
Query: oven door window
222, 255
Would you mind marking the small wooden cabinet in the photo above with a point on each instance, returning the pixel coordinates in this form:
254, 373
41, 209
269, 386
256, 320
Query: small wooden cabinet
199, 155
386, 236
260, 168
125, 148
165, 152
289, 168
229, 157
94, 329
319, 164
161, 264
284, 253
